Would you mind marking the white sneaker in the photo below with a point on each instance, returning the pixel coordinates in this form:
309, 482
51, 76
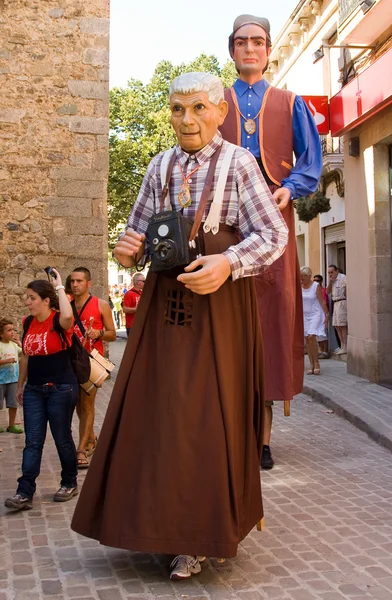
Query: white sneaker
341, 351
184, 566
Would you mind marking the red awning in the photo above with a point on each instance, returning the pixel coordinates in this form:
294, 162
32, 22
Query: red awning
365, 95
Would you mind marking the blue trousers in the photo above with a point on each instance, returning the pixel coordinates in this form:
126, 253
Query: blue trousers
55, 404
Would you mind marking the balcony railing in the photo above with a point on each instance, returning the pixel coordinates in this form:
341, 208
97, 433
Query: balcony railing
346, 7
331, 145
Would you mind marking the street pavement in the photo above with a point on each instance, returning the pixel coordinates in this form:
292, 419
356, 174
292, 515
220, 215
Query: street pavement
328, 522
365, 404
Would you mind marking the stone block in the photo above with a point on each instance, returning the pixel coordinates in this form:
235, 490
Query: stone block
101, 161
41, 69
80, 160
40, 262
69, 207
17, 39
101, 108
80, 246
13, 301
94, 26
10, 281
67, 109
20, 261
32, 203
25, 277
76, 173
103, 142
85, 143
89, 125
90, 226
20, 213
59, 226
76, 189
99, 207
56, 157
97, 57
28, 247
12, 226
11, 115
88, 89
56, 13
103, 74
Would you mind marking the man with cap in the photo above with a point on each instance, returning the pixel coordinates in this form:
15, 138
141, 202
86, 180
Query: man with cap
274, 124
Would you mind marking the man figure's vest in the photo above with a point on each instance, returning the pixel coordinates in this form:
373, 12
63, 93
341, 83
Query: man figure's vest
275, 130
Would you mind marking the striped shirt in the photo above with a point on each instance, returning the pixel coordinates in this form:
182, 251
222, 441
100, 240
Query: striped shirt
247, 204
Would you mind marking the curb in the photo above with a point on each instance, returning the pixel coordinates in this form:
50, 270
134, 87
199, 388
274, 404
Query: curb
350, 416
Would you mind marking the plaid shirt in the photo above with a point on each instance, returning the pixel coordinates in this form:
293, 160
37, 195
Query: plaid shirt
247, 205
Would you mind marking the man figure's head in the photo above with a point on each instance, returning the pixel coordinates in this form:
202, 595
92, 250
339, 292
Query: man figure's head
197, 109
333, 272
138, 281
250, 45
80, 281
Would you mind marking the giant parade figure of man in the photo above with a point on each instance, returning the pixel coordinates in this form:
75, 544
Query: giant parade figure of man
176, 469
274, 125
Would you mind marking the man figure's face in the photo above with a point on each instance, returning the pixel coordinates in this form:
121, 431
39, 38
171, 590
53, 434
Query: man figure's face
250, 52
332, 273
79, 283
195, 119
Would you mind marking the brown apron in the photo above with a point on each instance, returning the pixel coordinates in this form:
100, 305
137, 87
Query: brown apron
176, 469
279, 298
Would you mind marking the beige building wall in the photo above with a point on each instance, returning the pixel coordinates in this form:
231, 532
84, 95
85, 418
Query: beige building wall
369, 257
314, 245
53, 142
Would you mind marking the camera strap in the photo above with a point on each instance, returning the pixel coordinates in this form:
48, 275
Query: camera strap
213, 218
78, 315
205, 194
206, 189
167, 165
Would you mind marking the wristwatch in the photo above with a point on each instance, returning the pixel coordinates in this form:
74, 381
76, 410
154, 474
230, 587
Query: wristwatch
101, 333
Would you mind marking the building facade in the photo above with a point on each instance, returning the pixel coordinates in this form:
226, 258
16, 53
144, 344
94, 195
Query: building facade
342, 49
54, 108
362, 113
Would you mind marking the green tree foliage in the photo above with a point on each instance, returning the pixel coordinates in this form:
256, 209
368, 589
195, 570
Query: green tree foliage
308, 207
140, 128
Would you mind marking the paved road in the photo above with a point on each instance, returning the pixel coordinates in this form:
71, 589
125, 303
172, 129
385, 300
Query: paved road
328, 527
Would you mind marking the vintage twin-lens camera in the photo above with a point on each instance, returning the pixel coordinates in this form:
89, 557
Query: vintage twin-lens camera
168, 236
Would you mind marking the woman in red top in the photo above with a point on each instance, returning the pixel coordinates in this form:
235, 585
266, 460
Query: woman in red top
50, 392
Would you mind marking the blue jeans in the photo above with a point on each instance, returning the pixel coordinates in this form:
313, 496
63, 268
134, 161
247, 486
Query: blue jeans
42, 404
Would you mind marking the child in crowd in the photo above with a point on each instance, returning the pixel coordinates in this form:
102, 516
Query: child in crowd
10, 350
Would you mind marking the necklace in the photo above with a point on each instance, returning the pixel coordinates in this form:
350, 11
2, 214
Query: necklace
184, 196
250, 124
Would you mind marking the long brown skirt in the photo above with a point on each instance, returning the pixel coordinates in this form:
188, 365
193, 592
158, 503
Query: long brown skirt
176, 469
279, 297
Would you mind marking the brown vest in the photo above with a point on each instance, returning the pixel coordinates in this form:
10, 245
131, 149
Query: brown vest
275, 130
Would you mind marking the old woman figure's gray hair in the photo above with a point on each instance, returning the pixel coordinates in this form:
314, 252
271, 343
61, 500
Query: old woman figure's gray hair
198, 82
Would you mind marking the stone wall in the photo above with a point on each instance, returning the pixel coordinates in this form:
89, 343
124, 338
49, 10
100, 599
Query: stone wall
54, 109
